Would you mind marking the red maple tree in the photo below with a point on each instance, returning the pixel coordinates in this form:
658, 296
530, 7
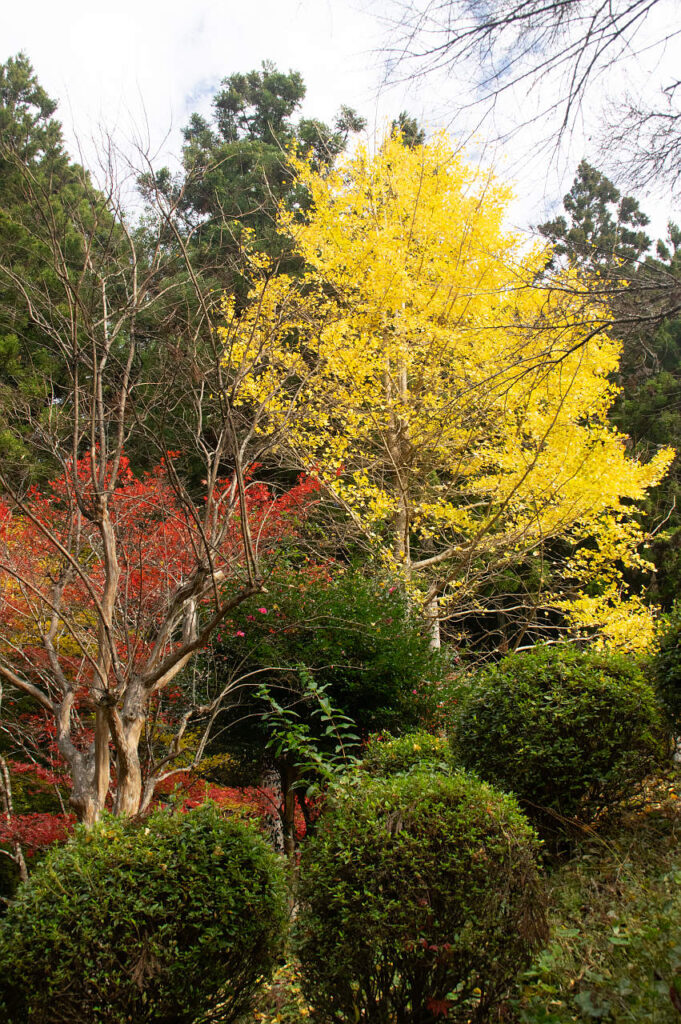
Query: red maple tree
109, 584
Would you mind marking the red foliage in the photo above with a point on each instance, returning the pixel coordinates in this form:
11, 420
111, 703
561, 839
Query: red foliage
439, 1007
159, 542
260, 802
46, 775
138, 544
36, 831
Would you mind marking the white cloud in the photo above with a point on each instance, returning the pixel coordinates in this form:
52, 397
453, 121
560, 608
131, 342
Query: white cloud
153, 62
158, 61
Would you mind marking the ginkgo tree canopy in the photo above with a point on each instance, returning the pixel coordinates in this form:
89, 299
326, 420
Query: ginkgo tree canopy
453, 401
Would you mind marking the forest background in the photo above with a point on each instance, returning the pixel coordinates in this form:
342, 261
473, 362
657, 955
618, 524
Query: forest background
305, 442
131, 304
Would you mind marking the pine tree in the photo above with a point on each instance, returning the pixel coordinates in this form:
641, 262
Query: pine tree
602, 229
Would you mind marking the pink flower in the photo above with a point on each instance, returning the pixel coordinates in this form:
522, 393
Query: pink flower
263, 611
239, 632
391, 590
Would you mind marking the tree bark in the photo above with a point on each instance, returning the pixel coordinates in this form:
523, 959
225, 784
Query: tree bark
126, 728
432, 614
17, 854
288, 778
129, 788
83, 799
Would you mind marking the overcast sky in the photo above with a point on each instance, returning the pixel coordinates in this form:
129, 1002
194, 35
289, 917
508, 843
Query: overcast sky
140, 63
164, 59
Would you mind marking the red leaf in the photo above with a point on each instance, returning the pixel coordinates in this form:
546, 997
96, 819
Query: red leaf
439, 1007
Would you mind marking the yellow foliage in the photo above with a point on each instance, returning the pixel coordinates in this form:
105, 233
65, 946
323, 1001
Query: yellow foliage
620, 620
451, 401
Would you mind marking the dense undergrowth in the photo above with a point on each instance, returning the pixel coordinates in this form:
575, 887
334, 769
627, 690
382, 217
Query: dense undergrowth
615, 910
614, 915
416, 895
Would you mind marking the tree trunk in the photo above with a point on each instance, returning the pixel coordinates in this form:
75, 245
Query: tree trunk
270, 783
129, 793
432, 614
126, 727
129, 770
288, 777
17, 854
83, 799
102, 758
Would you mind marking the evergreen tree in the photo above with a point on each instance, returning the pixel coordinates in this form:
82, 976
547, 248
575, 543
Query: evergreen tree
648, 409
601, 232
33, 165
409, 130
236, 170
600, 227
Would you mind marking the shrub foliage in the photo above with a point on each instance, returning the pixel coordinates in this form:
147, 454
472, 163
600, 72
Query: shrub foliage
389, 755
355, 634
419, 896
172, 919
569, 732
666, 670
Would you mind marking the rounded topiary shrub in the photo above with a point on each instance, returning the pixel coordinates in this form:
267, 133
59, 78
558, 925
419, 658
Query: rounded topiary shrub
390, 755
419, 898
569, 732
176, 918
666, 670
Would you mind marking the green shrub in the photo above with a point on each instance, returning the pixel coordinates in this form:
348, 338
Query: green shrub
569, 732
176, 918
355, 634
418, 894
666, 670
387, 755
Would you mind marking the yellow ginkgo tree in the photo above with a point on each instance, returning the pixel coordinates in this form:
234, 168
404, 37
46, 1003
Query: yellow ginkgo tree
449, 399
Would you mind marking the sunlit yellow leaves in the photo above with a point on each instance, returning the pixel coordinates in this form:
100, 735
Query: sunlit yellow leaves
616, 619
450, 400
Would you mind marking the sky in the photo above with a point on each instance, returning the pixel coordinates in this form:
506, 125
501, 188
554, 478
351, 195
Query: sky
157, 61
141, 67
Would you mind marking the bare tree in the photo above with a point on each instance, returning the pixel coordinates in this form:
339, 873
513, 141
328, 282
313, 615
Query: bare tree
141, 369
554, 55
642, 141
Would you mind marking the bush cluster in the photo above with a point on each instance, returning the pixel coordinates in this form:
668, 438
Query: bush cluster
173, 919
418, 895
389, 755
569, 732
